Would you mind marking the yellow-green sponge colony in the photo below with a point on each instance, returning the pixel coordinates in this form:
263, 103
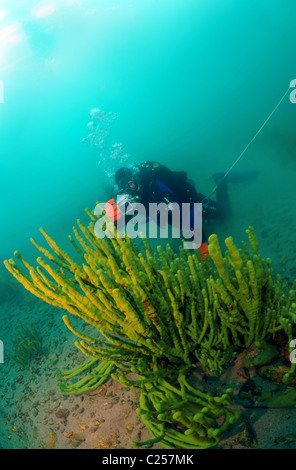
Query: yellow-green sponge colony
158, 314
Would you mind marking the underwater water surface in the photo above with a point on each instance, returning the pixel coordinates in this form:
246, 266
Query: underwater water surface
87, 87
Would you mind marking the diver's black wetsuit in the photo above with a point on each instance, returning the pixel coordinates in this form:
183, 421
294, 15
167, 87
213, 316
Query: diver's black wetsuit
156, 183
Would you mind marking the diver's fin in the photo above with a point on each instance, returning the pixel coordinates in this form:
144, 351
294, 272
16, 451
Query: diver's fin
241, 176
236, 176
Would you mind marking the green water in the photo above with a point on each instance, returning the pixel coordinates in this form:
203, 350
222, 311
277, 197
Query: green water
190, 81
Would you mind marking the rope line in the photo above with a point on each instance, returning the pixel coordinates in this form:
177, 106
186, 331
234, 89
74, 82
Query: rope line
246, 148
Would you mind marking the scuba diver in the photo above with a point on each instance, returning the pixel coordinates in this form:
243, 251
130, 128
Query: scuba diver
152, 182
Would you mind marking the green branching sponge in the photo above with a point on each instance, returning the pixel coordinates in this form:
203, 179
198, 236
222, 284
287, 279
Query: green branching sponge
156, 315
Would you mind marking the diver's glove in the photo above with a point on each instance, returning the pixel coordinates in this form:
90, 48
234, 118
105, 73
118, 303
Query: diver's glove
112, 210
204, 251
